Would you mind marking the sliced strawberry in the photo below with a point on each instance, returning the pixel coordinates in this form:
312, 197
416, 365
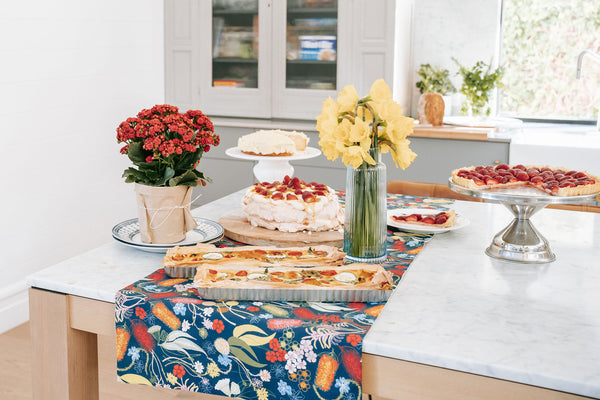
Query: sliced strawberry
412, 218
522, 176
533, 172
294, 181
428, 220
520, 166
544, 169
536, 179
319, 193
478, 181
441, 219
286, 179
308, 197
398, 217
290, 196
580, 175
502, 166
566, 184
277, 196
491, 181
298, 192
571, 173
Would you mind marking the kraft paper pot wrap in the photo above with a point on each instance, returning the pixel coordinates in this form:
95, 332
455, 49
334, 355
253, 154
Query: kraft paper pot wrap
164, 213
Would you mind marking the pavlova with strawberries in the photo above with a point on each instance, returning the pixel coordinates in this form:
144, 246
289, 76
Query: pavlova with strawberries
293, 206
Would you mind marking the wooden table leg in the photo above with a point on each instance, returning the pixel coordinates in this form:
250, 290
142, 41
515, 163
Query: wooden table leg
65, 360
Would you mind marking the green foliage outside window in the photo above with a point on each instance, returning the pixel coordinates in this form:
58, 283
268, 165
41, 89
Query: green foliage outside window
541, 40
434, 80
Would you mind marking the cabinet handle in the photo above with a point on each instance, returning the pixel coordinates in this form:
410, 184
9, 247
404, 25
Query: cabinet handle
496, 162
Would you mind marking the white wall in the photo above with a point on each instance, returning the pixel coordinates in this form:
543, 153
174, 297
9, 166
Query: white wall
70, 72
468, 30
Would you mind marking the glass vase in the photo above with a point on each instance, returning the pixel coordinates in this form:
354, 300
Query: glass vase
365, 224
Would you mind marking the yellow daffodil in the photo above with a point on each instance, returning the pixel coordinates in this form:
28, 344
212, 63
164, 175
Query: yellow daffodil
347, 127
360, 131
355, 156
380, 92
328, 120
347, 99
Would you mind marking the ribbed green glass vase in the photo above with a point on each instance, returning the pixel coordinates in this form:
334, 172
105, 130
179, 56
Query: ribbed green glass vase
365, 225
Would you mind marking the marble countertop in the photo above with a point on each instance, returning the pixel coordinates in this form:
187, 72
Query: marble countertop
455, 307
537, 324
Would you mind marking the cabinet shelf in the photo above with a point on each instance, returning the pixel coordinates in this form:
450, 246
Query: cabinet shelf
235, 60
312, 62
295, 12
234, 12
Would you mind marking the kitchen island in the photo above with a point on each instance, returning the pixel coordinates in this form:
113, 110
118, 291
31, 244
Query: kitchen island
459, 325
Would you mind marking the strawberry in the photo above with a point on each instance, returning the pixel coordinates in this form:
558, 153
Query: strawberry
566, 184
308, 197
580, 175
491, 181
277, 196
478, 181
520, 166
413, 217
502, 167
522, 176
536, 179
298, 192
294, 181
291, 197
571, 173
441, 219
286, 179
428, 220
533, 172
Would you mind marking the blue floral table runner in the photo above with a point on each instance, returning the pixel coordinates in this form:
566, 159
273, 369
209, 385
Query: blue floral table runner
167, 336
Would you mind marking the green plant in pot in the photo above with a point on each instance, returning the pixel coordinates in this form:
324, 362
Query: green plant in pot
477, 85
165, 147
434, 80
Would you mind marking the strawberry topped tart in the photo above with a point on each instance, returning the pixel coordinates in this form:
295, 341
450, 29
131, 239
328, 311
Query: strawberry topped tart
293, 206
554, 181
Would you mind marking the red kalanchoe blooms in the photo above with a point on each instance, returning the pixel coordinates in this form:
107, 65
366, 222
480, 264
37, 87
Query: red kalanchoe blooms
171, 142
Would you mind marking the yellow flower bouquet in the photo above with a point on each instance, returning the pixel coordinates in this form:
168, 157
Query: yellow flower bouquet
358, 130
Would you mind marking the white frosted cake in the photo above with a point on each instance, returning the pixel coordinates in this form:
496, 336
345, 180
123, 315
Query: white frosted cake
272, 143
293, 206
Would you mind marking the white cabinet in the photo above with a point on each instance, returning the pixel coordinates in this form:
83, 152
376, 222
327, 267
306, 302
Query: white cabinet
274, 58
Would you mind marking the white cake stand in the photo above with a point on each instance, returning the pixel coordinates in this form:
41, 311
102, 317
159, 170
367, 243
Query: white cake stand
271, 168
520, 241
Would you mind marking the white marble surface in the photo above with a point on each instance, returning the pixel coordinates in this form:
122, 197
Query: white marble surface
454, 308
536, 324
100, 273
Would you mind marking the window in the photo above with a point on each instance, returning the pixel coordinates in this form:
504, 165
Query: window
541, 42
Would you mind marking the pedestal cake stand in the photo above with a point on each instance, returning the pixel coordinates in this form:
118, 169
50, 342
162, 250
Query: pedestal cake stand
520, 241
273, 168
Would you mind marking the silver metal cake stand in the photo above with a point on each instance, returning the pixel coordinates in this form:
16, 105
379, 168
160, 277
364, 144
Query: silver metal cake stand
520, 241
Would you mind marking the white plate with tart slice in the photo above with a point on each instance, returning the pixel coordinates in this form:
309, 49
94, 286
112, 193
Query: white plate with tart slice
423, 220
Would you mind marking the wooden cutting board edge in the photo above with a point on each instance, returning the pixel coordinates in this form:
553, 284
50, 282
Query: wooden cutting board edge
238, 228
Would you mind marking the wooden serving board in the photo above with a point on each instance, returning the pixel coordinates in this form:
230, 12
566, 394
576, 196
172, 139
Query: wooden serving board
453, 132
238, 228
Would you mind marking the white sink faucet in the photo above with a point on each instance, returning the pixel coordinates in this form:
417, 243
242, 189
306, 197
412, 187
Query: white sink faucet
595, 57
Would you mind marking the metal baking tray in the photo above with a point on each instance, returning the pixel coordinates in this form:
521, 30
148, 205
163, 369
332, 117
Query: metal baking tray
181, 272
325, 295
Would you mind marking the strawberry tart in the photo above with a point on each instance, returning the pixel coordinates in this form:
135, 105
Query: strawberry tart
443, 219
293, 206
554, 181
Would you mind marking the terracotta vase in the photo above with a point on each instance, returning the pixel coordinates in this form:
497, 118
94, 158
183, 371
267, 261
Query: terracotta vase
164, 213
430, 109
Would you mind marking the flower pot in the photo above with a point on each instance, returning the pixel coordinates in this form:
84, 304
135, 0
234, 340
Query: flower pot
164, 213
365, 223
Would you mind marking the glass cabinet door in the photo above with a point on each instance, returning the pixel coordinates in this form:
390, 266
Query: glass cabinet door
235, 43
311, 44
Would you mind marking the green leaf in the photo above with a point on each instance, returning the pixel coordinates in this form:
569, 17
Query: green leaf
243, 352
136, 153
252, 335
188, 179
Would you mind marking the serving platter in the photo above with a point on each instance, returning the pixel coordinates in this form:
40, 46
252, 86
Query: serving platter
273, 168
237, 227
128, 234
460, 222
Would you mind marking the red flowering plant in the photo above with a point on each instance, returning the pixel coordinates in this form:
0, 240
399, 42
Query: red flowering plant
166, 146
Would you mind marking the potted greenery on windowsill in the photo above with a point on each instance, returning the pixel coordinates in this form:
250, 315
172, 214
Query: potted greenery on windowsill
435, 88
478, 82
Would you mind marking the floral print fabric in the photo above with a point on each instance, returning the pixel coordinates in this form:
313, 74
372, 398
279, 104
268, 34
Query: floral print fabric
168, 336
